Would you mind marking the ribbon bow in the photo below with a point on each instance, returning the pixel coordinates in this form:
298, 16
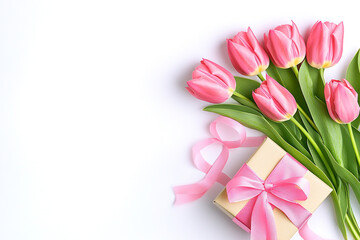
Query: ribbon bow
283, 187
191, 192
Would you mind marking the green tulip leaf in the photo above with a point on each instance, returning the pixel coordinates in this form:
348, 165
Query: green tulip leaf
353, 76
343, 173
317, 160
312, 88
348, 154
343, 196
246, 86
293, 129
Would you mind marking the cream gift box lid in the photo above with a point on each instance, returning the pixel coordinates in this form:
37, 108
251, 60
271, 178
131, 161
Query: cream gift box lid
263, 162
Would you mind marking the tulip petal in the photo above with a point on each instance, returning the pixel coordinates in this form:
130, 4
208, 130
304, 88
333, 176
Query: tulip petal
331, 26
318, 45
251, 39
199, 73
348, 85
329, 103
298, 41
278, 45
243, 59
208, 90
262, 57
268, 107
283, 98
285, 29
223, 74
242, 39
337, 40
346, 105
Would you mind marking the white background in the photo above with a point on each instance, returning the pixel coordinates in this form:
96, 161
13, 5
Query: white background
96, 125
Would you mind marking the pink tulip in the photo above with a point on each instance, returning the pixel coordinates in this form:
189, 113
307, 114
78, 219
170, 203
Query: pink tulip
246, 54
211, 82
341, 101
275, 101
325, 44
285, 46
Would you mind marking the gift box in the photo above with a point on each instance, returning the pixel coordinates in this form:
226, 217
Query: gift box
271, 188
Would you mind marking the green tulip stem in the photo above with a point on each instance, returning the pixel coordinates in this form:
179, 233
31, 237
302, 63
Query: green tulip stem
261, 77
352, 227
317, 149
322, 75
239, 95
354, 143
247, 102
296, 71
307, 117
352, 219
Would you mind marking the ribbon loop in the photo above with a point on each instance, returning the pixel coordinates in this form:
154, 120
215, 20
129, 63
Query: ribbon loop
235, 126
213, 172
242, 140
201, 164
292, 189
245, 186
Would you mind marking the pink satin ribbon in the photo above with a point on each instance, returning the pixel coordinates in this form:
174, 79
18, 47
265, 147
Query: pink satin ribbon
213, 173
282, 189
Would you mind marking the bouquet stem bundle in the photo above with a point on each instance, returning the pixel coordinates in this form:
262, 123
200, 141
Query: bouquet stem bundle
323, 135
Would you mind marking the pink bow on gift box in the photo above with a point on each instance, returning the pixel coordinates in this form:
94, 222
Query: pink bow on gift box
281, 189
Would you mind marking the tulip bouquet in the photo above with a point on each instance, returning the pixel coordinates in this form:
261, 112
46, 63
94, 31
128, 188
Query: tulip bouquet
313, 120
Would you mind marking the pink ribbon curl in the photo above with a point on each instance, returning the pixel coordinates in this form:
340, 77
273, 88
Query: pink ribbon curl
281, 189
213, 172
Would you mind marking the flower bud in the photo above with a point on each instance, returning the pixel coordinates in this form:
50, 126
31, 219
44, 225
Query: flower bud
211, 82
275, 101
246, 54
341, 101
325, 44
285, 46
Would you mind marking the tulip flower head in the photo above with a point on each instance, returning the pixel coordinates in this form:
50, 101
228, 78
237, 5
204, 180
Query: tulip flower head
211, 82
285, 46
325, 44
246, 54
341, 101
275, 101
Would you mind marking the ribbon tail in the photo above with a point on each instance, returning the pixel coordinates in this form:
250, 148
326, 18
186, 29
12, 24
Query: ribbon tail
262, 220
296, 213
307, 234
192, 192
203, 165
223, 179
